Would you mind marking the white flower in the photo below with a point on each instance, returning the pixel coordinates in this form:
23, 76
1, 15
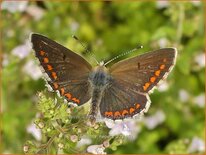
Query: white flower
183, 95
84, 141
14, 6
34, 131
96, 149
22, 51
35, 12
163, 42
162, 4
32, 70
74, 26
163, 86
26, 148
152, 121
197, 145
126, 128
200, 60
200, 100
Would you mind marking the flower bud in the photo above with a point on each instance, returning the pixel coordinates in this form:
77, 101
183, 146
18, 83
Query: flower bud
74, 138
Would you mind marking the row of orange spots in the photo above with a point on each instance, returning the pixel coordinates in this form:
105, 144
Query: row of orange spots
69, 96
54, 75
153, 78
49, 67
122, 113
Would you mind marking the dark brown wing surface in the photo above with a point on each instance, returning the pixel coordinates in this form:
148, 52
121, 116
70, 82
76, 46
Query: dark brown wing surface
142, 73
119, 101
67, 71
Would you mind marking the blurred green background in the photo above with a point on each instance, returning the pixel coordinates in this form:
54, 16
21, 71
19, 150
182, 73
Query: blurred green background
175, 120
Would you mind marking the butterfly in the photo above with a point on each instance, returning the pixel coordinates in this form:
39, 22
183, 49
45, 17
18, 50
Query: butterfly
118, 92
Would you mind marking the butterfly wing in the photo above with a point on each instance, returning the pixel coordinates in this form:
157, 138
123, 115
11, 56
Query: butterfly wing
66, 71
132, 79
119, 101
143, 73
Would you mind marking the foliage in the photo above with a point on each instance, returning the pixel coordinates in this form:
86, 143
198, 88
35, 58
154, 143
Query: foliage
108, 28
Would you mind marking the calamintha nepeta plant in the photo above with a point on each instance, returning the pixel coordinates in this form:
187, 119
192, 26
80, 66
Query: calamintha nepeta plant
64, 128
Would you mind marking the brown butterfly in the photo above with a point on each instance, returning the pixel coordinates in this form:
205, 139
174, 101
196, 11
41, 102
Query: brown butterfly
118, 92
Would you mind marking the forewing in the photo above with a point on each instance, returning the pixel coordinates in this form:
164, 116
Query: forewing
119, 101
143, 72
66, 71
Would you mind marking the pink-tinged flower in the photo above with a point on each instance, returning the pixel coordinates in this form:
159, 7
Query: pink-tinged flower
96, 149
84, 141
196, 2
127, 128
22, 51
32, 70
153, 121
183, 95
36, 12
74, 138
14, 6
200, 60
34, 131
197, 145
162, 4
200, 100
163, 86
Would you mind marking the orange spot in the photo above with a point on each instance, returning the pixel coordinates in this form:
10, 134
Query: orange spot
54, 75
162, 67
117, 113
49, 67
56, 85
62, 91
42, 53
78, 101
137, 106
157, 73
131, 110
125, 112
152, 79
108, 113
68, 95
164, 60
75, 100
46, 60
146, 86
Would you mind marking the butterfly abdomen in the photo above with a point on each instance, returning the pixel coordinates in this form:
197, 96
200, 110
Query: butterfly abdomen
99, 79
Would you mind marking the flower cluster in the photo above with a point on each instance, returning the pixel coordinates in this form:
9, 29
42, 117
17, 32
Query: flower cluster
68, 129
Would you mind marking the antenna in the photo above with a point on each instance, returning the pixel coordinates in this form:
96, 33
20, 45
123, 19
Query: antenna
86, 49
123, 54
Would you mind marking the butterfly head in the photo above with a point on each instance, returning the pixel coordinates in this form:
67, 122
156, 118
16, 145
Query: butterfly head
101, 63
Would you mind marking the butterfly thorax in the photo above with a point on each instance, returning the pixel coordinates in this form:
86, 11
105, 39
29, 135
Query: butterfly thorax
99, 79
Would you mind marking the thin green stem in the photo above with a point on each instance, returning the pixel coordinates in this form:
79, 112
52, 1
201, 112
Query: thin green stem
180, 24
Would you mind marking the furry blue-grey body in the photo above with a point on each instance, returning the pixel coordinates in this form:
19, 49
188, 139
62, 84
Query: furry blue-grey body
99, 79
